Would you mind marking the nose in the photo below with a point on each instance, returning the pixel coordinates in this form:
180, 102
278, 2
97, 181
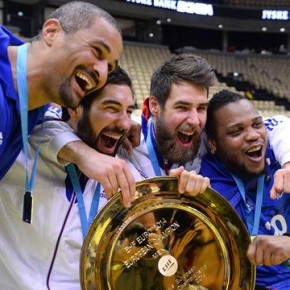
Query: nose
193, 118
252, 134
124, 121
101, 68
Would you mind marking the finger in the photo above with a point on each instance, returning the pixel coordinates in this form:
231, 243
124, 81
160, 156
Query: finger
261, 256
252, 253
286, 181
267, 257
176, 172
277, 187
277, 258
113, 183
200, 186
130, 181
107, 187
183, 181
195, 184
124, 189
127, 185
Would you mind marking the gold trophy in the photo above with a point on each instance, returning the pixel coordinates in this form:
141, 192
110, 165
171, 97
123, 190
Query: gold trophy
167, 241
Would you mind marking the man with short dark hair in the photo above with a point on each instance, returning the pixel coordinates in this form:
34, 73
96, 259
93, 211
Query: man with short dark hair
45, 254
78, 46
241, 167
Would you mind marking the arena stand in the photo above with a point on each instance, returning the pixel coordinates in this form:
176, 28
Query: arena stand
267, 73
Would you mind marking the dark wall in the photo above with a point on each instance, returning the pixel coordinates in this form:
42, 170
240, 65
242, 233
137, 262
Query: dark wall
178, 36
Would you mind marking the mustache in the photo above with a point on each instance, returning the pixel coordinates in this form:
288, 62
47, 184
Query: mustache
115, 131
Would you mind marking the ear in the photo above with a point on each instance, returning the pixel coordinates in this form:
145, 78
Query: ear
76, 113
153, 106
211, 144
50, 30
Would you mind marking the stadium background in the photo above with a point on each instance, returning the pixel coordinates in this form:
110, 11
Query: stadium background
246, 41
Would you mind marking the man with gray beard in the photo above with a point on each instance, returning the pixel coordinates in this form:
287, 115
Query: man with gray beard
173, 119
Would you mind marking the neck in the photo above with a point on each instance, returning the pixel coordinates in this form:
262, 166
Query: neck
34, 100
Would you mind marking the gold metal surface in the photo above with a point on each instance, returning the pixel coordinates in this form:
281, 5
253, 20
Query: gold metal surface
167, 241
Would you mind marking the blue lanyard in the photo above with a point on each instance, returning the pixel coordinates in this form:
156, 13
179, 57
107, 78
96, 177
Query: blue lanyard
21, 73
85, 223
258, 206
151, 150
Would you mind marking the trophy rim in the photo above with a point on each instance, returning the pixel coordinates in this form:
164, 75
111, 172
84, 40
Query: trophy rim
103, 236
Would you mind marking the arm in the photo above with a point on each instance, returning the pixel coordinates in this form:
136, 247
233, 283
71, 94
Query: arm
55, 135
111, 172
61, 145
281, 181
277, 128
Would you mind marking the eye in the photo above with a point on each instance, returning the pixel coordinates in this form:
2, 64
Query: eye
130, 111
110, 68
112, 109
234, 132
181, 107
258, 125
98, 52
202, 109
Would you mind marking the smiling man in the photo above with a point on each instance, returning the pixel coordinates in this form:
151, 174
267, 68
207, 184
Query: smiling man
241, 167
45, 254
72, 55
173, 120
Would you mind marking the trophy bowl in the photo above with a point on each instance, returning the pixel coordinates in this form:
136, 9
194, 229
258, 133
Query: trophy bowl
166, 241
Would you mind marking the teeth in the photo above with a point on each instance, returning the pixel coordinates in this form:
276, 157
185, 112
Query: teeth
116, 137
187, 133
254, 149
89, 85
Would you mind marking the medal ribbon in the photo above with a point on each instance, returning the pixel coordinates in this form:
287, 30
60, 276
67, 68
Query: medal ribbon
21, 74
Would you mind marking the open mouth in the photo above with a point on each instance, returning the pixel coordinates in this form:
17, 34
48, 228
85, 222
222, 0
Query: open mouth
255, 151
185, 137
108, 142
84, 81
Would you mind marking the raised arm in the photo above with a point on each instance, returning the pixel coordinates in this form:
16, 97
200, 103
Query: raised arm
278, 131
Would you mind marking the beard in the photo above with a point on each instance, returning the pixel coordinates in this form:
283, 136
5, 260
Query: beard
167, 144
86, 132
89, 136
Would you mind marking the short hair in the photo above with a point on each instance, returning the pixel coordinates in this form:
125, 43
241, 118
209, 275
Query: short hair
117, 77
180, 68
219, 100
77, 15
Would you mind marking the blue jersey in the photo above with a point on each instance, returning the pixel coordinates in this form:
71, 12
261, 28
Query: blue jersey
10, 123
275, 215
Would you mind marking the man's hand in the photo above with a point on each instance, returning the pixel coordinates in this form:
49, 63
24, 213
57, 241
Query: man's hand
269, 250
281, 181
112, 173
189, 181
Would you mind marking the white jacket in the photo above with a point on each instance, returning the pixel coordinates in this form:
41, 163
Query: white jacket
44, 254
